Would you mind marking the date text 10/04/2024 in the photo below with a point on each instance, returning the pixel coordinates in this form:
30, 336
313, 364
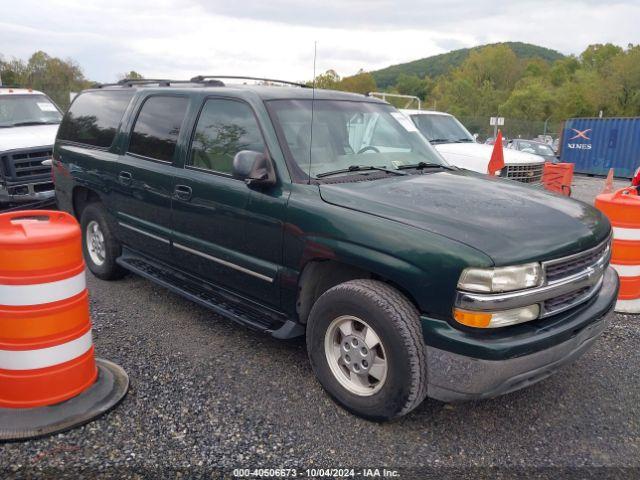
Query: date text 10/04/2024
315, 473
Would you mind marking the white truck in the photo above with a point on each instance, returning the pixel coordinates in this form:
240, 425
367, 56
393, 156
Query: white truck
29, 122
460, 148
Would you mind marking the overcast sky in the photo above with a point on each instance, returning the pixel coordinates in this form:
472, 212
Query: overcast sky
274, 38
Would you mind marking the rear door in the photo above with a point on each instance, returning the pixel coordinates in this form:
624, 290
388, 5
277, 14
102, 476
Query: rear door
145, 174
212, 219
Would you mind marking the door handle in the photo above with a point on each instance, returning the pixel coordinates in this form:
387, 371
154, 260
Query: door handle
183, 192
125, 178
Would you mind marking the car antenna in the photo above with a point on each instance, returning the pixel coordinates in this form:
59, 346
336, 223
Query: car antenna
313, 101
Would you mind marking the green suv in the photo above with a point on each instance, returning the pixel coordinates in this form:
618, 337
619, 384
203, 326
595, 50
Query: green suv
327, 214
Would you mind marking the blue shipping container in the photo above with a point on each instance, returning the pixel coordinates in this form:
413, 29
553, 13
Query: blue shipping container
595, 145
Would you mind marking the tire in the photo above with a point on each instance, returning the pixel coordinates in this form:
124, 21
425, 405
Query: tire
395, 320
95, 213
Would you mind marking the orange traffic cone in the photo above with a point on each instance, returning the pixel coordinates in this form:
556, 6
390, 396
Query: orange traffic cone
608, 183
49, 379
496, 162
623, 210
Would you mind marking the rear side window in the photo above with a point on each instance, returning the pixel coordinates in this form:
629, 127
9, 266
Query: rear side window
94, 117
157, 127
224, 128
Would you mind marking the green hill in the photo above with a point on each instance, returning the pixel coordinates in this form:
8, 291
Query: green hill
443, 63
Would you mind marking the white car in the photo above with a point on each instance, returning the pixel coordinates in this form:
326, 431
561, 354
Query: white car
459, 147
29, 122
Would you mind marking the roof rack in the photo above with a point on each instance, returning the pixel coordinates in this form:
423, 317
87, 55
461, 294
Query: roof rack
205, 80
202, 78
161, 82
411, 98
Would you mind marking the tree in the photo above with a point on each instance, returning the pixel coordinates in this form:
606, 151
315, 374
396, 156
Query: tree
536, 67
496, 65
413, 85
328, 80
481, 84
52, 75
132, 75
361, 82
12, 71
531, 100
625, 81
563, 70
599, 56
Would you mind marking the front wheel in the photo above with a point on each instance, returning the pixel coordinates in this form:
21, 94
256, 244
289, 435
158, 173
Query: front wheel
365, 345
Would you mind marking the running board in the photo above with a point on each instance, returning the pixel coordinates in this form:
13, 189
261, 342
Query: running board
207, 295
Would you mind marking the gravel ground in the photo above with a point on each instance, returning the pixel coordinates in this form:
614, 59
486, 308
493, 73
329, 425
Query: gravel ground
586, 188
207, 395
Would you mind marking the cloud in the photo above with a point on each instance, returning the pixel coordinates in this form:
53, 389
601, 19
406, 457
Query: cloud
391, 14
181, 38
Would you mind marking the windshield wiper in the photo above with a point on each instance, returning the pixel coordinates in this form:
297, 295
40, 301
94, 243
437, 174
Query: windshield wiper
423, 165
26, 124
463, 140
358, 168
444, 140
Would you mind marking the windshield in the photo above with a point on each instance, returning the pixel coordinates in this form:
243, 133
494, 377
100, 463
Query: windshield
442, 129
17, 110
537, 148
347, 135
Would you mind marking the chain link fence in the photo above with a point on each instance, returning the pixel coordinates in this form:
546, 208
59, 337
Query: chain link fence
512, 128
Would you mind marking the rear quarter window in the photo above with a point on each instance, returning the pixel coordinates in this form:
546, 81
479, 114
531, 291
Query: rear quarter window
94, 117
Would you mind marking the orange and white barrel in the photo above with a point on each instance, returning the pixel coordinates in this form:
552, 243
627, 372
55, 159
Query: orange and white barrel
49, 378
622, 207
46, 350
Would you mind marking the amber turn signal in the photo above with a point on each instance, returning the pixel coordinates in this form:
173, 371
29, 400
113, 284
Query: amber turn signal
472, 319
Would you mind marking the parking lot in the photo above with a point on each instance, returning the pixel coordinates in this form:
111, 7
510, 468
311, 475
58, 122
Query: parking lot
207, 394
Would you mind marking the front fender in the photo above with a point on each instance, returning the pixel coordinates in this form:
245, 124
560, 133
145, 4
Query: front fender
426, 266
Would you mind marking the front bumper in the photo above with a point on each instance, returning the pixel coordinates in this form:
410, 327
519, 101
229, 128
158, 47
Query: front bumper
31, 193
473, 366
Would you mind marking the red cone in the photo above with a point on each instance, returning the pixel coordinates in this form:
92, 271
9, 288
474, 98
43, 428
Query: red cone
497, 156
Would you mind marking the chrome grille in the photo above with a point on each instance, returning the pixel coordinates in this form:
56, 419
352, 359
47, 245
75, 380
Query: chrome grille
528, 173
571, 281
591, 263
564, 268
25, 165
567, 299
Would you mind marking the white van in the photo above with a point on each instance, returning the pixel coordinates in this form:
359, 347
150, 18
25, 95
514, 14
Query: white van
29, 122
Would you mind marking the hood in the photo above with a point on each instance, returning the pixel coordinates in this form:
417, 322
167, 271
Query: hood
509, 222
475, 156
27, 137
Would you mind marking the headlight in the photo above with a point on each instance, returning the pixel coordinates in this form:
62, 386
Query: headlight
501, 279
496, 319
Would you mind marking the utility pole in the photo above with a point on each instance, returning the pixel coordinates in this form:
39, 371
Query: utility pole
0, 79
544, 134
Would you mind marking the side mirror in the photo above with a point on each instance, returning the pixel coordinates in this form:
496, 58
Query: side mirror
475, 136
254, 168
